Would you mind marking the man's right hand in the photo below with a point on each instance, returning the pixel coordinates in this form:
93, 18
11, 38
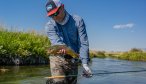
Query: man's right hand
62, 51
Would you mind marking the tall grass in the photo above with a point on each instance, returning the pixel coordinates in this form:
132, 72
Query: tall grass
97, 54
135, 56
22, 44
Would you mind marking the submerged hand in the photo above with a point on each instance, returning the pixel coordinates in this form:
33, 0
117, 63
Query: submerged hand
87, 71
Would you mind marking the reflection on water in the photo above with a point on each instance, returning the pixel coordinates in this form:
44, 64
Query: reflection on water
24, 75
106, 71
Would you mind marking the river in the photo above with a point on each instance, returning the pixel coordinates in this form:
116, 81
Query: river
105, 71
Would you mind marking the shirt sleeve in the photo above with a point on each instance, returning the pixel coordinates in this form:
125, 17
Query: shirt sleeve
84, 44
52, 34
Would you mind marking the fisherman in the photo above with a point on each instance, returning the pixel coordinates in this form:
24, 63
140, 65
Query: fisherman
68, 30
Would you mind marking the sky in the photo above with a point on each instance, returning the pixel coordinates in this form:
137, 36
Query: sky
112, 25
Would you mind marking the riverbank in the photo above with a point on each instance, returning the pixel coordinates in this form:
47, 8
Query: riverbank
132, 55
31, 60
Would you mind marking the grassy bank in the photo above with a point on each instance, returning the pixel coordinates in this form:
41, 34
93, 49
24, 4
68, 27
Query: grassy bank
137, 55
23, 45
97, 54
133, 55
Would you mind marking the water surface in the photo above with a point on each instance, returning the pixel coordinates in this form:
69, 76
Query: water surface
106, 71
112, 71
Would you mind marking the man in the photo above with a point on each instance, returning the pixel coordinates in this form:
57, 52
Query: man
69, 30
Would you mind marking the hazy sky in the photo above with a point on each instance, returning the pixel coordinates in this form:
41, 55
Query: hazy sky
112, 25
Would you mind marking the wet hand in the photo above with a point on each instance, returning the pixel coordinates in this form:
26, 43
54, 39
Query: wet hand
87, 71
62, 51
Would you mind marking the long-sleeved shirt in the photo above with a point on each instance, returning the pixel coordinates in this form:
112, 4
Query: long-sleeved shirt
73, 34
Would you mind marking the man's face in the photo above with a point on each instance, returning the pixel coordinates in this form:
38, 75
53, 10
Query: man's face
60, 14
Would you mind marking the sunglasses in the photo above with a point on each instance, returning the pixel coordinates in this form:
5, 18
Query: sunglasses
55, 14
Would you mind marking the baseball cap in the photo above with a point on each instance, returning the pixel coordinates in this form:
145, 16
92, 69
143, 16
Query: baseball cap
52, 6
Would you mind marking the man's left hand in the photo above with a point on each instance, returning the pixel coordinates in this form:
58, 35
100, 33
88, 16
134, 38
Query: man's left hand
87, 71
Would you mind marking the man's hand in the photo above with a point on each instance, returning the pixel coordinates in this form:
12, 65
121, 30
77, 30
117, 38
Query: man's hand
87, 71
62, 51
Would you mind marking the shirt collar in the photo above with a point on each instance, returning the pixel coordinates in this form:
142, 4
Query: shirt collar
65, 19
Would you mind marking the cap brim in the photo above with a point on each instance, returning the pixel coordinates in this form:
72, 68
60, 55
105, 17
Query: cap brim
53, 11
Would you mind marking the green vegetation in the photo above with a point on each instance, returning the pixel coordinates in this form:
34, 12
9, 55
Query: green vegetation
133, 55
22, 44
98, 54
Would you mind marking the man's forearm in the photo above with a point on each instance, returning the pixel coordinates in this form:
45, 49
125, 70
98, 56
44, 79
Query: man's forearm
84, 54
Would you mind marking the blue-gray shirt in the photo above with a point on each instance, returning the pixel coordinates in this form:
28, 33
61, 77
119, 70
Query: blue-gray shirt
73, 34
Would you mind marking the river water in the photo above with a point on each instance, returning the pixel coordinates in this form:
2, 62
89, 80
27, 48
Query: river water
105, 71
